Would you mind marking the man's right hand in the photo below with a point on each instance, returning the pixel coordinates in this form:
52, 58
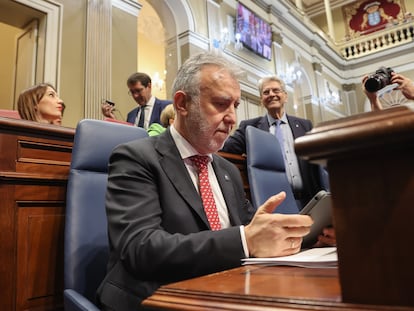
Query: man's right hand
270, 234
107, 110
372, 97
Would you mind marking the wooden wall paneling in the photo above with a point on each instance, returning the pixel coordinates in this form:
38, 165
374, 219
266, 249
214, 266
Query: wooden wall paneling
34, 165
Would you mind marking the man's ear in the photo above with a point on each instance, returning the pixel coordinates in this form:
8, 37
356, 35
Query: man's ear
180, 102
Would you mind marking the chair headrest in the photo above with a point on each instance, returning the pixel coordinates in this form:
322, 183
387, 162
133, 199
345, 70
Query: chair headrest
264, 151
95, 140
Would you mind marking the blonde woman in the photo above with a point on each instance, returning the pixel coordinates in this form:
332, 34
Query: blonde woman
167, 118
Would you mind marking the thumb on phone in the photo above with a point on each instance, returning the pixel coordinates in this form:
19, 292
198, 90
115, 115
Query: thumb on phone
272, 203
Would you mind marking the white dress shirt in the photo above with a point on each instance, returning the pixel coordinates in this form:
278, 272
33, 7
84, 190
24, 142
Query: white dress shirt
148, 112
186, 151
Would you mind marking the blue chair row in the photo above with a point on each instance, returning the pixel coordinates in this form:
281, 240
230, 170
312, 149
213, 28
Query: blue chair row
266, 171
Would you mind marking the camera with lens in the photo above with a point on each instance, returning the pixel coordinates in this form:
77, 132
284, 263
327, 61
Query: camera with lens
380, 79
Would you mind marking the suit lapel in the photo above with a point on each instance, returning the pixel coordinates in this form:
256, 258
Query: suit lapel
297, 128
155, 112
132, 115
177, 172
263, 124
226, 185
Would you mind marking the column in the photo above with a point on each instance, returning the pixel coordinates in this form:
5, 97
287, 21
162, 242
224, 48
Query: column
98, 56
299, 5
329, 19
215, 26
277, 41
317, 69
350, 99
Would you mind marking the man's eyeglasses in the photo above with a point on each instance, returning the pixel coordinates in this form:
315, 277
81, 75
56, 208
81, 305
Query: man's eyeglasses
135, 92
274, 91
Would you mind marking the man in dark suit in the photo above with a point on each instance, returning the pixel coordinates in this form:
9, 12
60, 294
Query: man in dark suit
159, 229
303, 176
149, 107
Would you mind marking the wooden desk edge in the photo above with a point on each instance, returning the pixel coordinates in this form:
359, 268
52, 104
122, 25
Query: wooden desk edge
187, 295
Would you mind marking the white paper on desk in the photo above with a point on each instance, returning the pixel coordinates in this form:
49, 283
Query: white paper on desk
321, 257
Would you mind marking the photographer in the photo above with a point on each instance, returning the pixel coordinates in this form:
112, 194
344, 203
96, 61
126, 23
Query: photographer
405, 85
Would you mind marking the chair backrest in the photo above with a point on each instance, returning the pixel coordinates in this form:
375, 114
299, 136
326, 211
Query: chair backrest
324, 176
117, 121
86, 241
8, 113
266, 170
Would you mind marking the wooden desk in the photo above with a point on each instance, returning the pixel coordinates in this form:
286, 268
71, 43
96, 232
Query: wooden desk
370, 159
258, 288
34, 164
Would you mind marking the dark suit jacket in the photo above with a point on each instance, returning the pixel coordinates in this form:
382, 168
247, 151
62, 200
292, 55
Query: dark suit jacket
159, 106
310, 173
158, 231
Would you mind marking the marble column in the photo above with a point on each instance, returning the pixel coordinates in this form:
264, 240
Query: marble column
329, 19
98, 56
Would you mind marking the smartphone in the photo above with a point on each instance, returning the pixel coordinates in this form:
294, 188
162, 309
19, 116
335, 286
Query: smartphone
109, 102
319, 209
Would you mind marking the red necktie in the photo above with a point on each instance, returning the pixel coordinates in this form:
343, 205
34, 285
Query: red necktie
205, 191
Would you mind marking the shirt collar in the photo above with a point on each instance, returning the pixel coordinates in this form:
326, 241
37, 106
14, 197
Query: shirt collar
150, 102
185, 149
272, 120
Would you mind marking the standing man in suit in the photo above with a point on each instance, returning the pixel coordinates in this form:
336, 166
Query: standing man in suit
159, 229
303, 176
149, 107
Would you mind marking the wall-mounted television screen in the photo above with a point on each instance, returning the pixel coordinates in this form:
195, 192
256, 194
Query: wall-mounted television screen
254, 32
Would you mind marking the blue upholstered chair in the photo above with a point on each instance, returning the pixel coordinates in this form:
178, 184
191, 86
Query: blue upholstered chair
86, 242
324, 175
266, 170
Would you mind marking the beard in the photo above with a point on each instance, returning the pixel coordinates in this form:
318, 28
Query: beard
200, 132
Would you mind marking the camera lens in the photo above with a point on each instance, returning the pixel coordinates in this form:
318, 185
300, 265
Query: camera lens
380, 79
373, 84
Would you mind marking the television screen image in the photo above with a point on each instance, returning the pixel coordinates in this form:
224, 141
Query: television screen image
255, 33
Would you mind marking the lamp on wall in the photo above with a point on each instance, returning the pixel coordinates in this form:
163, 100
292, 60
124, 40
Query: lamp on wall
238, 45
226, 39
157, 81
223, 41
332, 95
291, 75
330, 98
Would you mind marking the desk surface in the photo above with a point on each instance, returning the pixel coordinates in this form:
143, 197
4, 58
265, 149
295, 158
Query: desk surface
258, 288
